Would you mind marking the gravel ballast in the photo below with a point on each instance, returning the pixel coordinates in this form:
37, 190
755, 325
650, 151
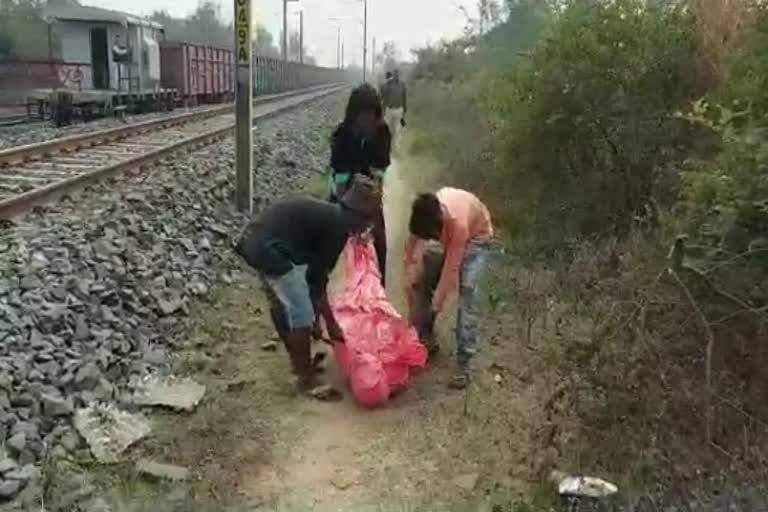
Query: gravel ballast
95, 290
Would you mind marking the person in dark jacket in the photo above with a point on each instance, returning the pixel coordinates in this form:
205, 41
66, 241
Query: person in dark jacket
294, 246
361, 145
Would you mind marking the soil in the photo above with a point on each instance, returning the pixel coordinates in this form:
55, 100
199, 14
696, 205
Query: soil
253, 443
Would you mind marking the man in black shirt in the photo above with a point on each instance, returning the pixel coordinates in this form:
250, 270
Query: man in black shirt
295, 246
361, 145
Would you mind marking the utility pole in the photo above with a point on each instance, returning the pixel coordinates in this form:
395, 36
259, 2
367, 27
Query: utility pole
373, 59
301, 37
365, 38
342, 55
338, 48
243, 108
285, 30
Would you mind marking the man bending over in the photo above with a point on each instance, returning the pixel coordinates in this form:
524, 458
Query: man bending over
462, 224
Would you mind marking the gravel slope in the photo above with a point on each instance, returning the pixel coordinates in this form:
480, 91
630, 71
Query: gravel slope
95, 290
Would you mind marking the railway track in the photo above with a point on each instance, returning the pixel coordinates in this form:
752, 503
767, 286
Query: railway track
35, 174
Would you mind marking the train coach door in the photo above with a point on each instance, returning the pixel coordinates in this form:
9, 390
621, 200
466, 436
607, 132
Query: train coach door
100, 58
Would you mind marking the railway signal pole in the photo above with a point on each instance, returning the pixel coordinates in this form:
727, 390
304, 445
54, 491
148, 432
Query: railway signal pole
243, 108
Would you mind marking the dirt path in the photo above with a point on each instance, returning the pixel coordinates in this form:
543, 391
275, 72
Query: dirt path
253, 443
320, 471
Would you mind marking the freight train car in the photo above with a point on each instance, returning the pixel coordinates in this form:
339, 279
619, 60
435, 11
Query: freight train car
199, 74
112, 62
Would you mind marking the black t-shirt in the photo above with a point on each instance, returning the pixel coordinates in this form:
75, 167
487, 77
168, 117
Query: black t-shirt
296, 232
353, 154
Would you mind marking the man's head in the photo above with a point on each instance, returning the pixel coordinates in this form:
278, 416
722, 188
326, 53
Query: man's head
395, 74
388, 75
364, 109
361, 204
426, 217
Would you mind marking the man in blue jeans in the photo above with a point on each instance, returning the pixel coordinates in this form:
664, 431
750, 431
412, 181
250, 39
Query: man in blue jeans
459, 224
294, 246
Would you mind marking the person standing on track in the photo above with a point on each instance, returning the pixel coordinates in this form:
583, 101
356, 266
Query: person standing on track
394, 96
361, 145
462, 224
294, 246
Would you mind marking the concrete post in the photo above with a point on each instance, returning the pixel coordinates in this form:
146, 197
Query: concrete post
243, 108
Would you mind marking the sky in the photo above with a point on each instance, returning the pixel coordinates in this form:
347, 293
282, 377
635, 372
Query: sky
409, 23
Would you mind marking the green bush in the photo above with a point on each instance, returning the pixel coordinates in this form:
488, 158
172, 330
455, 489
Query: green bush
585, 130
566, 128
727, 197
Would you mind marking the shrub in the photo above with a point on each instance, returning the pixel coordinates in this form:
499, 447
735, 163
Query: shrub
585, 132
727, 197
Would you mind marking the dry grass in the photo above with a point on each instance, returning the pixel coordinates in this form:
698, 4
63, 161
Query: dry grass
723, 27
634, 402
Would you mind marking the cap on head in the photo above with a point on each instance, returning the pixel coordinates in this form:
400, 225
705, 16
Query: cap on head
363, 196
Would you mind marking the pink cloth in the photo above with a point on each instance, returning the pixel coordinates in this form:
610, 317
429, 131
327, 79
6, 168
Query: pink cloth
381, 348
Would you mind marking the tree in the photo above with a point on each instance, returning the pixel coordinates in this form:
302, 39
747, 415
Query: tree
389, 56
264, 43
204, 26
23, 33
489, 13
294, 47
294, 52
207, 24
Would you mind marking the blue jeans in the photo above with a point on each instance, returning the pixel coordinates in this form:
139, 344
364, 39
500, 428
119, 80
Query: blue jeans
467, 322
467, 318
292, 292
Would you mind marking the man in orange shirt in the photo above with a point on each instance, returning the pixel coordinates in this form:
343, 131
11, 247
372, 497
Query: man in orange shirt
462, 224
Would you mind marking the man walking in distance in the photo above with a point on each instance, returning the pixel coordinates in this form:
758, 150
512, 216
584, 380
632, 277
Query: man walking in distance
394, 97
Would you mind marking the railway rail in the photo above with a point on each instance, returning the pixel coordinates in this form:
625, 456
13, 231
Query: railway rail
40, 173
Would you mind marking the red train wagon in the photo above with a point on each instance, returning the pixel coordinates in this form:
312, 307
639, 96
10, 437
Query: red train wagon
200, 74
20, 74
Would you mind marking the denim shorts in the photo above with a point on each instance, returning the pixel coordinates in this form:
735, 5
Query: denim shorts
292, 290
